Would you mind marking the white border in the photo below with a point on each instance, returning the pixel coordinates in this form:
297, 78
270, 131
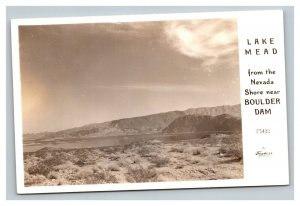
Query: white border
295, 3
108, 187
2, 104
153, 3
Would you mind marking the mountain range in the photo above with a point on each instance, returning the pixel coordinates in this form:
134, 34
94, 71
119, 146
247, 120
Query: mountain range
220, 118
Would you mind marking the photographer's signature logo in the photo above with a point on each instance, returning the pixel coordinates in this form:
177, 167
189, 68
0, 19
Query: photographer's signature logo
263, 153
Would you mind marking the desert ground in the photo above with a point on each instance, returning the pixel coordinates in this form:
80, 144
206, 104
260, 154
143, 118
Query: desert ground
211, 157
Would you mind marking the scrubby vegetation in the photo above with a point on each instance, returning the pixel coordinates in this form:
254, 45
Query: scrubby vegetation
214, 157
141, 174
196, 151
177, 149
159, 161
232, 147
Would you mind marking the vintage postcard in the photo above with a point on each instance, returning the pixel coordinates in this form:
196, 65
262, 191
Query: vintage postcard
150, 102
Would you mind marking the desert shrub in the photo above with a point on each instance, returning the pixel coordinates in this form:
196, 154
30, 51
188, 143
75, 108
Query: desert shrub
39, 169
53, 175
110, 150
81, 154
223, 150
62, 182
92, 175
233, 150
82, 157
135, 160
232, 147
99, 165
101, 177
106, 177
121, 163
113, 157
159, 161
232, 139
236, 151
87, 170
211, 170
31, 180
53, 161
143, 151
66, 166
79, 163
180, 166
113, 167
127, 147
194, 161
90, 162
40, 154
84, 173
44, 167
27, 155
196, 151
141, 174
177, 149
109, 178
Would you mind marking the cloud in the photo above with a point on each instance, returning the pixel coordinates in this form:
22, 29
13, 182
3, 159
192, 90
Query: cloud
201, 38
208, 40
155, 87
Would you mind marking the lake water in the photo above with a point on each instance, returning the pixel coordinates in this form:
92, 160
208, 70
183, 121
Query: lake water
34, 145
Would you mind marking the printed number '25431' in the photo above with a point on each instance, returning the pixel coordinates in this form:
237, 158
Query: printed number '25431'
263, 131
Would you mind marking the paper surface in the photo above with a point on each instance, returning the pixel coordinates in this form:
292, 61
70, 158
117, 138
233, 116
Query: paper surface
150, 102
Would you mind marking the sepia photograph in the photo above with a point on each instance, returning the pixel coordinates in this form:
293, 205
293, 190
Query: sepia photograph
130, 102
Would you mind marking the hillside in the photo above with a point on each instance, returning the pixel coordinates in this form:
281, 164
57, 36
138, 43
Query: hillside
234, 110
204, 123
144, 124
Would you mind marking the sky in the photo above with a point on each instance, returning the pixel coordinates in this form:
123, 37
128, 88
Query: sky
77, 74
